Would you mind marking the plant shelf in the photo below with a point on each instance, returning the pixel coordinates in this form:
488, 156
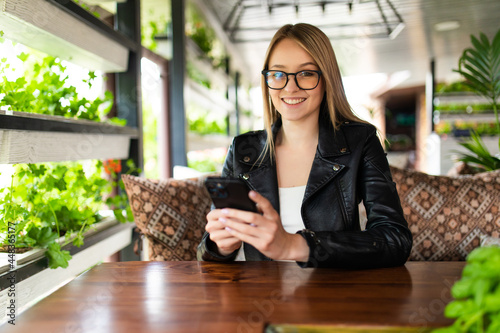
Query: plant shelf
476, 117
463, 97
206, 97
33, 138
42, 25
34, 280
204, 65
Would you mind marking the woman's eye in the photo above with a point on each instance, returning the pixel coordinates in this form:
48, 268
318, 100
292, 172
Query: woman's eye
306, 74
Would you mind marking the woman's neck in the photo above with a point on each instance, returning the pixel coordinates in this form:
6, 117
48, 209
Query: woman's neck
297, 134
296, 146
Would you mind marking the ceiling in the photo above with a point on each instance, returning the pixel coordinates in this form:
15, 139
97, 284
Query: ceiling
360, 33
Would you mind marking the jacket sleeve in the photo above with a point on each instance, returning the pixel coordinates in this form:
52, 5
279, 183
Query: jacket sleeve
207, 249
387, 241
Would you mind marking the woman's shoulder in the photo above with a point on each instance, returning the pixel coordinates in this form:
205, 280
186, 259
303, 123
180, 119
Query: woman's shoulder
250, 136
250, 133
357, 128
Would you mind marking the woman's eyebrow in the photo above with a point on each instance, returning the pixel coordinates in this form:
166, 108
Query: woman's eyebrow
308, 63
300, 66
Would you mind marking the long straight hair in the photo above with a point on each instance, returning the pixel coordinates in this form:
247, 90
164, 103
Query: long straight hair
318, 46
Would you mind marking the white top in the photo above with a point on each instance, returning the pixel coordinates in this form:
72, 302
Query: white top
290, 204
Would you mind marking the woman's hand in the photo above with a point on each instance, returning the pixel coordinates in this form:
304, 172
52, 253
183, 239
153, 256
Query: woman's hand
264, 231
226, 243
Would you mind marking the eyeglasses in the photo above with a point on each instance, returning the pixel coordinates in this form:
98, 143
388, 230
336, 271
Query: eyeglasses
305, 80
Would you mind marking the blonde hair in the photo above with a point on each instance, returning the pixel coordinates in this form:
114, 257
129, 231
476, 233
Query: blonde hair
318, 46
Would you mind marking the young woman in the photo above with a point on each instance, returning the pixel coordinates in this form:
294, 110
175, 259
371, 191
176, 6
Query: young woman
308, 171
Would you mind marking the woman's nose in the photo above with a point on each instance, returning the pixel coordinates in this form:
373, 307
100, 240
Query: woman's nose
291, 85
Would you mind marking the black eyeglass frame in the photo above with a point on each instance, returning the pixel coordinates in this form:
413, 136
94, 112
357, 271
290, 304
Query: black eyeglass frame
266, 71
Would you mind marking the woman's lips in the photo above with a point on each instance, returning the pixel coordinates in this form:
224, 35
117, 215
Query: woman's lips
293, 101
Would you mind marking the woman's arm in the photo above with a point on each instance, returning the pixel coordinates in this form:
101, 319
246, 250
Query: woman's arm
387, 241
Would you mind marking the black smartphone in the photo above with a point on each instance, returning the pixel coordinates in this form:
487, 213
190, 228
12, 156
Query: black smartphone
229, 193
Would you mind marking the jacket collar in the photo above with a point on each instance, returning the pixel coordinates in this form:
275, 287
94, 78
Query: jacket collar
331, 142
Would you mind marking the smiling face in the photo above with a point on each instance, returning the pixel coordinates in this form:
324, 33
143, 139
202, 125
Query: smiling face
293, 103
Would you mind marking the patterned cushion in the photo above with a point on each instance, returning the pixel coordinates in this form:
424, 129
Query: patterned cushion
171, 213
448, 215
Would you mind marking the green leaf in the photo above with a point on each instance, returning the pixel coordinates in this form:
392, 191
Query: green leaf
481, 289
482, 157
57, 257
458, 308
78, 241
483, 254
43, 236
450, 329
118, 213
463, 288
492, 303
23, 57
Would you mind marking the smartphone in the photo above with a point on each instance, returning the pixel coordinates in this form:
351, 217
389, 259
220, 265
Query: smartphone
229, 193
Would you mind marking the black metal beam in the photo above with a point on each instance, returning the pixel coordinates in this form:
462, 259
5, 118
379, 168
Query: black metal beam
236, 102
230, 17
128, 84
176, 83
128, 93
430, 92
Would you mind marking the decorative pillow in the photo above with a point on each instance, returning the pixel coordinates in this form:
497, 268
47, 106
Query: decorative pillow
448, 215
171, 213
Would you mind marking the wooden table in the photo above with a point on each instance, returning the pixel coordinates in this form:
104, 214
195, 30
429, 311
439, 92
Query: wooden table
241, 297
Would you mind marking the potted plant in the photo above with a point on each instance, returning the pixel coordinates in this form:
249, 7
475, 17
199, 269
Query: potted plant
480, 66
476, 307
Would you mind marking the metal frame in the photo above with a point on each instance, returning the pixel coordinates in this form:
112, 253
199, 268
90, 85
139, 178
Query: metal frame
177, 120
392, 27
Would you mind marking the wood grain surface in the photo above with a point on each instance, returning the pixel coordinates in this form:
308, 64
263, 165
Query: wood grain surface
242, 297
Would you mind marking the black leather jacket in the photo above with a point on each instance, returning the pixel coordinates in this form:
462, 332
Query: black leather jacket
350, 165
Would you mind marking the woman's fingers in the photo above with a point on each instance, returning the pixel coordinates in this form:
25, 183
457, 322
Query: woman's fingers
224, 239
250, 229
263, 204
229, 227
244, 237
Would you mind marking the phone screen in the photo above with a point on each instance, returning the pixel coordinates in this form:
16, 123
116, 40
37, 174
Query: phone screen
229, 193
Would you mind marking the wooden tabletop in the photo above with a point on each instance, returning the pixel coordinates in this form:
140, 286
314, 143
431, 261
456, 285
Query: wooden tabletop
241, 297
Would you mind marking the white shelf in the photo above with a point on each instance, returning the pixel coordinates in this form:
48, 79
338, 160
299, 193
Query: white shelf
209, 141
208, 98
43, 26
460, 98
38, 147
30, 138
476, 117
